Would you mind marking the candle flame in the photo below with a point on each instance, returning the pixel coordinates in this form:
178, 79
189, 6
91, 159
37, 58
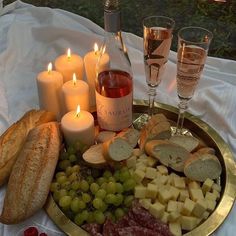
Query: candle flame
74, 79
49, 67
68, 54
95, 47
78, 111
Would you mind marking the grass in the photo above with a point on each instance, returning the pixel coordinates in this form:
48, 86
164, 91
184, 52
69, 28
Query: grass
218, 17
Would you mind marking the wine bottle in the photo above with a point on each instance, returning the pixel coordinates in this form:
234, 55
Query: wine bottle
114, 84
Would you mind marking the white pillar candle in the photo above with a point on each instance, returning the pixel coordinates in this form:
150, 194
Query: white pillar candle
49, 85
75, 92
68, 64
90, 61
78, 126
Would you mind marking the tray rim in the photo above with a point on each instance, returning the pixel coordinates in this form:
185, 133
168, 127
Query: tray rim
218, 216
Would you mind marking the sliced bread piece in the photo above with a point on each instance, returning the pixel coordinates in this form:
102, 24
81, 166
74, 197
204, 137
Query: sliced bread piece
117, 149
188, 142
168, 153
104, 136
202, 166
131, 135
208, 150
94, 156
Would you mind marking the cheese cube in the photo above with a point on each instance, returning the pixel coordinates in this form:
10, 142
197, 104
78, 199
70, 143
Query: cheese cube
183, 195
151, 161
138, 175
196, 194
143, 156
150, 173
172, 206
151, 191
175, 228
188, 207
210, 205
216, 187
164, 217
140, 191
174, 192
131, 162
142, 161
164, 179
179, 182
171, 178
180, 206
157, 210
188, 222
210, 196
207, 185
164, 195
205, 215
199, 208
193, 184
137, 152
141, 167
173, 216
162, 169
145, 203
216, 193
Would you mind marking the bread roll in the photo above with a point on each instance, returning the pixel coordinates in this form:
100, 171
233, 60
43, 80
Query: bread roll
202, 166
12, 140
31, 176
169, 154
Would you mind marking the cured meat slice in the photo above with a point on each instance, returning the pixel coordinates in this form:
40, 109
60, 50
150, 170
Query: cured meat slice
93, 229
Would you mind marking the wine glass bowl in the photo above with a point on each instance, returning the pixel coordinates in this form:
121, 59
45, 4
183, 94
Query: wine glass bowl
193, 45
157, 37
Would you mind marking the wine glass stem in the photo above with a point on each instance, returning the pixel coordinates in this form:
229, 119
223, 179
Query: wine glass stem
152, 95
183, 105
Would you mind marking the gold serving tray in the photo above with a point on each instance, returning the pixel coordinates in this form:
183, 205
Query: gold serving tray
210, 137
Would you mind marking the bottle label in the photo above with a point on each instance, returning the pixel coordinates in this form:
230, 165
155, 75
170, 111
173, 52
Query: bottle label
114, 113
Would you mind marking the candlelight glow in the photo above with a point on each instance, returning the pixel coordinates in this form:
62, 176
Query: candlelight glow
78, 111
103, 50
95, 47
68, 54
74, 79
49, 67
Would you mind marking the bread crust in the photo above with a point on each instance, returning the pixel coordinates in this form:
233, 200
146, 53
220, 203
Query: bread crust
12, 140
32, 174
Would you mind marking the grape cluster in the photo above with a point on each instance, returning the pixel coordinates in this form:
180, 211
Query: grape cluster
93, 195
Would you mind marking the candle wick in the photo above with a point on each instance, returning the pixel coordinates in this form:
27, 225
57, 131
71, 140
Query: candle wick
68, 58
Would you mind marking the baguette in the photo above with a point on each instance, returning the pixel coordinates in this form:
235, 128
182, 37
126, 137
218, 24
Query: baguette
104, 136
12, 140
202, 166
131, 135
169, 154
117, 149
31, 176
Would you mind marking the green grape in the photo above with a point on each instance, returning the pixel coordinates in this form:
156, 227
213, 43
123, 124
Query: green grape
119, 188
63, 156
75, 168
109, 216
101, 180
72, 193
72, 158
90, 218
75, 185
86, 197
94, 188
104, 207
98, 203
74, 206
79, 219
128, 200
119, 199
62, 193
54, 186
124, 175
104, 186
110, 198
84, 215
101, 193
84, 186
66, 185
71, 150
56, 195
73, 176
117, 175
64, 164
107, 174
90, 179
119, 213
129, 184
59, 174
111, 179
99, 217
65, 201
111, 187
61, 179
69, 171
124, 168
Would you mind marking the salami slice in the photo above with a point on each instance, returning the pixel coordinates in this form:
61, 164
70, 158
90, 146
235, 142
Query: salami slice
109, 228
93, 229
136, 231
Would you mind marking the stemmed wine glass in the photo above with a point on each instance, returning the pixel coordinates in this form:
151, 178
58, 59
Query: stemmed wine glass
193, 45
157, 37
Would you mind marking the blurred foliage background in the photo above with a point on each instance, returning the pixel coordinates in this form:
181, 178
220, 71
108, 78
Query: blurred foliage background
218, 16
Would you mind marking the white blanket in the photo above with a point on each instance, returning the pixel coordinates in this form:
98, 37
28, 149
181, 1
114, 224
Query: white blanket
30, 37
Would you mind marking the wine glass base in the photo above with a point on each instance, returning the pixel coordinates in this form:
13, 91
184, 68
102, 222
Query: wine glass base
184, 132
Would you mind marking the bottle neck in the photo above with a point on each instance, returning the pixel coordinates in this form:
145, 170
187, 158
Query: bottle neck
112, 22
